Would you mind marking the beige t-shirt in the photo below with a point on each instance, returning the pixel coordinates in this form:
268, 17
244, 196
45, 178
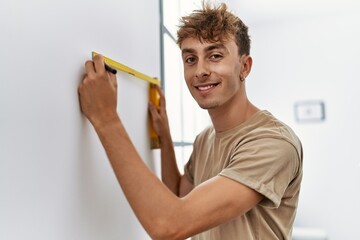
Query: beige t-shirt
263, 154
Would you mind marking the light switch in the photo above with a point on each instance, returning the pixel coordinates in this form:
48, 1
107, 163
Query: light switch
310, 111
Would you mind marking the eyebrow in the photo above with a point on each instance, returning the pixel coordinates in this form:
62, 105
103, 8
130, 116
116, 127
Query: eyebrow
215, 46
207, 49
187, 50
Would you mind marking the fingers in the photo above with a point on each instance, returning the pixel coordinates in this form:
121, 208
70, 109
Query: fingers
155, 118
96, 68
152, 108
158, 88
89, 67
99, 63
113, 80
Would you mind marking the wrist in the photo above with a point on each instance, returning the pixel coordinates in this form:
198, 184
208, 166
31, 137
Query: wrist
102, 123
166, 140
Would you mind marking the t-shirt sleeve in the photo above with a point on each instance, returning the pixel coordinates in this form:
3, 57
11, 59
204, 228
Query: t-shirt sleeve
266, 165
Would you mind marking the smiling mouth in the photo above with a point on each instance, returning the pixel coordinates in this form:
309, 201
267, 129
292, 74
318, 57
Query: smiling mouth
207, 87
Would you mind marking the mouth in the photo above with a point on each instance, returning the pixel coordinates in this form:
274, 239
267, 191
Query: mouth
205, 88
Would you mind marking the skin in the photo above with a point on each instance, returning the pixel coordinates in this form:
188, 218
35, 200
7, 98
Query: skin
174, 208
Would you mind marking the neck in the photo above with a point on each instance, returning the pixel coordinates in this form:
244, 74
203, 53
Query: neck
232, 114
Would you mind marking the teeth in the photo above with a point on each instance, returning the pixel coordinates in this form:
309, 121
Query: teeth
206, 87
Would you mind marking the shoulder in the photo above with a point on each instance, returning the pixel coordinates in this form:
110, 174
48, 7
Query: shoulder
264, 127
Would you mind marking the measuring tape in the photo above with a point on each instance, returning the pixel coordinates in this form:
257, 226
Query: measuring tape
153, 94
128, 70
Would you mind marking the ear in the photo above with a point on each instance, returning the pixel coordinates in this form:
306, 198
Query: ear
246, 64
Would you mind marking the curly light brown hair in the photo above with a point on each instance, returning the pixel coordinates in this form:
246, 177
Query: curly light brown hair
213, 24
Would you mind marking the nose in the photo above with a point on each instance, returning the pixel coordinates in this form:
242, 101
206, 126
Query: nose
202, 70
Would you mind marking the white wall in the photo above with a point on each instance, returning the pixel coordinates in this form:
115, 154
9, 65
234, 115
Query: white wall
55, 180
316, 57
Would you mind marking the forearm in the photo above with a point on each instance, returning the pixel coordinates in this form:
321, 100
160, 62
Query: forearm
150, 200
170, 174
169, 170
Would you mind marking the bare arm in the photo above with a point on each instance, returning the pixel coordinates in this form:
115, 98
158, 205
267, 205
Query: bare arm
162, 214
170, 174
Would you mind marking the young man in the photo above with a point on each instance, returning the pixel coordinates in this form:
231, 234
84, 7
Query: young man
243, 178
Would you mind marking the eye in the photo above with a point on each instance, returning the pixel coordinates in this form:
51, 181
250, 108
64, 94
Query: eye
215, 56
190, 60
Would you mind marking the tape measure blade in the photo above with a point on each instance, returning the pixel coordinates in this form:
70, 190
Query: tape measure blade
124, 68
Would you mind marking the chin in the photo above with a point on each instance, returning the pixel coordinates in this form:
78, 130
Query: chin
208, 106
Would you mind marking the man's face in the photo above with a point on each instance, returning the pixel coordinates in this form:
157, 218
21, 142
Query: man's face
212, 71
